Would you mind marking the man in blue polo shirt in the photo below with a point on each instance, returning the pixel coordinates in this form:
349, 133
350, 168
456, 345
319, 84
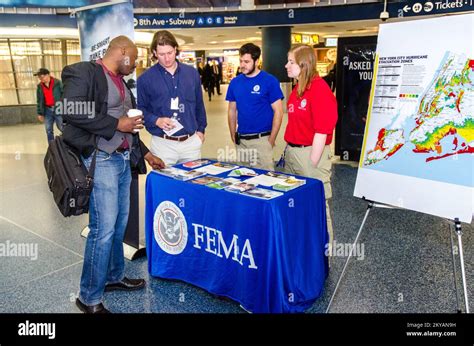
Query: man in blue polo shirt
255, 110
170, 97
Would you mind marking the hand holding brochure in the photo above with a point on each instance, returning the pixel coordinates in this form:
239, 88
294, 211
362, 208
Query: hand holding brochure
176, 128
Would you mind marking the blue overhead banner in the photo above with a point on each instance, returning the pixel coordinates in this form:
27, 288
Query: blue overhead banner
291, 16
136, 3
48, 3
236, 18
185, 3
8, 20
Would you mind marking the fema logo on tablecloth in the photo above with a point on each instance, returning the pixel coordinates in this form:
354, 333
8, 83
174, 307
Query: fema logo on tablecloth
170, 228
256, 89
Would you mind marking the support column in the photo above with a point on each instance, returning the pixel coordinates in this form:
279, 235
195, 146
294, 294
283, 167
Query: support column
276, 42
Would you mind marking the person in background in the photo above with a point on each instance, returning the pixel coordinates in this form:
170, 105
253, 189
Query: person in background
217, 74
208, 77
201, 74
48, 92
255, 110
170, 96
140, 68
312, 117
330, 78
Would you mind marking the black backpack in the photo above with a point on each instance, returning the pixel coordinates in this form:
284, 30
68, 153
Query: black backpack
68, 178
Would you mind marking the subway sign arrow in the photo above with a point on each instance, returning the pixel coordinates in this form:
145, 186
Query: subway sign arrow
406, 8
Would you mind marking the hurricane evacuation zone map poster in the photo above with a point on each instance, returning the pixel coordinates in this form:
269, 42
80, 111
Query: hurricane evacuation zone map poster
419, 138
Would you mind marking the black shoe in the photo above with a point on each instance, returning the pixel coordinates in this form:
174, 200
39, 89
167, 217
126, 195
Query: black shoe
93, 309
126, 285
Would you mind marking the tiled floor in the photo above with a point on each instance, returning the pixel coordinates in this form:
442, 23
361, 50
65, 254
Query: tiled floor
407, 264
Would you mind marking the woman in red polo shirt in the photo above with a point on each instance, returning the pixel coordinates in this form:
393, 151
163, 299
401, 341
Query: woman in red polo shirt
312, 116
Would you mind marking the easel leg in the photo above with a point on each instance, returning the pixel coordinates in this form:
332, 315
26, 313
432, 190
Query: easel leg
369, 207
457, 226
454, 268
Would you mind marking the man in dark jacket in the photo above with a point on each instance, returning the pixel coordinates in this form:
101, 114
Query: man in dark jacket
48, 92
208, 78
100, 99
217, 74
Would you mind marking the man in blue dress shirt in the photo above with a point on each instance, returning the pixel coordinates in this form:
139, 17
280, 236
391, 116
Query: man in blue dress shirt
170, 96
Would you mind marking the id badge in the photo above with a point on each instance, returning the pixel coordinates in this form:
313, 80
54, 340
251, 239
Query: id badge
175, 103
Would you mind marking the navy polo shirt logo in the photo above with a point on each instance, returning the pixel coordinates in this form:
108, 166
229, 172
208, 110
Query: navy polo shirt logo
256, 89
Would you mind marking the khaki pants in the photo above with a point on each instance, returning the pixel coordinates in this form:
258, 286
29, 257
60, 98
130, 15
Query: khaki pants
256, 153
174, 152
297, 161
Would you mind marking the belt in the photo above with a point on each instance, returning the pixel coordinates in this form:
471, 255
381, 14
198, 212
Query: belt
178, 139
298, 145
255, 136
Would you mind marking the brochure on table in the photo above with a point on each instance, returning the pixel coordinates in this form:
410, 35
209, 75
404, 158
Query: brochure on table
216, 168
179, 174
203, 172
196, 163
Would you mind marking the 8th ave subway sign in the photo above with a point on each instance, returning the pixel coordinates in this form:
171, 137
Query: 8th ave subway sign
291, 16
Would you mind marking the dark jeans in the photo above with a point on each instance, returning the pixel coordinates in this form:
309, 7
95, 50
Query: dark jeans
108, 216
49, 119
218, 86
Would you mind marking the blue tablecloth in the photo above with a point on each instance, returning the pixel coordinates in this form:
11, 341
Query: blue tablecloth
269, 255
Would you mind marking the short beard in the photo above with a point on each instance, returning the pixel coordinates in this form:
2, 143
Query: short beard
121, 70
253, 70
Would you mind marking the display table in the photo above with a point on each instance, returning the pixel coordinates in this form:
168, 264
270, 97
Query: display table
268, 255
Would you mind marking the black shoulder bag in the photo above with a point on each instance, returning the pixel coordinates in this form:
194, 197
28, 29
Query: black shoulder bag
68, 178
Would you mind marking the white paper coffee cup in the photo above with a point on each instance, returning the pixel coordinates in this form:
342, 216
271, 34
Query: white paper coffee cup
134, 113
